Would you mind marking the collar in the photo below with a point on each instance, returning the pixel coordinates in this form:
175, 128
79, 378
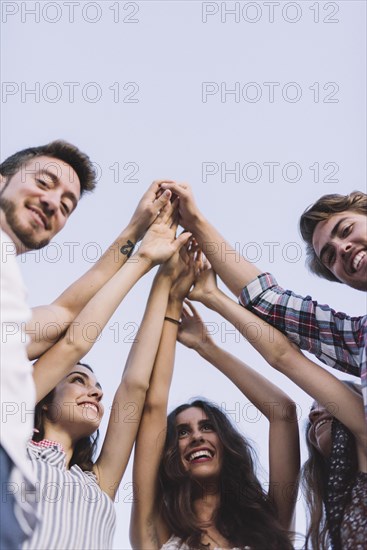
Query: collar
47, 443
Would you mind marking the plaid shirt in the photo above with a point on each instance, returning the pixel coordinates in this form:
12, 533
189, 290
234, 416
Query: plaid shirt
335, 338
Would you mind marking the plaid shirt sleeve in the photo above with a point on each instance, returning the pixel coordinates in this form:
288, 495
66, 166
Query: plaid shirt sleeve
335, 338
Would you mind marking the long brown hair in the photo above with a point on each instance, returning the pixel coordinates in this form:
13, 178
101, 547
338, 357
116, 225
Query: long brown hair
85, 448
313, 476
314, 483
246, 515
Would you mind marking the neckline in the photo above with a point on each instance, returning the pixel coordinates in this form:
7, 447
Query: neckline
47, 444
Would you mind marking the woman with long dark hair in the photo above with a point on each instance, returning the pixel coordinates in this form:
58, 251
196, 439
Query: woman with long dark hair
194, 473
75, 491
335, 475
334, 478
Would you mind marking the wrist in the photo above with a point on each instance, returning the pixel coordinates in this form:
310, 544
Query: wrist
140, 257
175, 300
172, 320
174, 308
206, 346
199, 224
164, 271
132, 232
211, 299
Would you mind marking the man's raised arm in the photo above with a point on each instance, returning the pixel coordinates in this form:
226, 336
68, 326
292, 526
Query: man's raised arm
232, 268
50, 321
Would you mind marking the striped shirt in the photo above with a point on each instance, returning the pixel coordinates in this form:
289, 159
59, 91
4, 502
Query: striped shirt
175, 543
75, 513
335, 338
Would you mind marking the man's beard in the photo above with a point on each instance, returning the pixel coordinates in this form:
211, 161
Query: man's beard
8, 207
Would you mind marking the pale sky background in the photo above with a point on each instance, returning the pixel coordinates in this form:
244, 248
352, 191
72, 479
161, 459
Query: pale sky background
149, 101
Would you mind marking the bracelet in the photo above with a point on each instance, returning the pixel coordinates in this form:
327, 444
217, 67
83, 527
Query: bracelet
175, 321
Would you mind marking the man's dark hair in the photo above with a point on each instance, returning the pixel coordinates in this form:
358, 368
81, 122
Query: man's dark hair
61, 150
322, 210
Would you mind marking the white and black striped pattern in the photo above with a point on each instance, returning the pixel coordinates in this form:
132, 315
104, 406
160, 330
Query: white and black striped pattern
175, 543
74, 512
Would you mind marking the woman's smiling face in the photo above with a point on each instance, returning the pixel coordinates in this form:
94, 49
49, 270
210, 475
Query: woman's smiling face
319, 433
76, 404
200, 448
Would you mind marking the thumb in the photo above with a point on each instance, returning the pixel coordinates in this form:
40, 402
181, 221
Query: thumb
162, 200
181, 240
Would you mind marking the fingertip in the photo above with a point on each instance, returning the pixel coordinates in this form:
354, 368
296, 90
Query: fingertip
167, 183
184, 237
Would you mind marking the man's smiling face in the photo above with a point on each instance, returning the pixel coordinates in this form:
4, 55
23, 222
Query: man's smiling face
340, 243
37, 201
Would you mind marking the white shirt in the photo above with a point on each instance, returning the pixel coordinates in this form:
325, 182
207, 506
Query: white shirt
76, 514
17, 387
175, 543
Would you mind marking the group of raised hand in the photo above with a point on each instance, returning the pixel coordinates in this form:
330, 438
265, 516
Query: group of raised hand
195, 479
182, 480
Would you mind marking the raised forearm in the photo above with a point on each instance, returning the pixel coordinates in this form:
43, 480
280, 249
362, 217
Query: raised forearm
267, 340
145, 527
231, 267
53, 365
143, 352
57, 316
131, 393
342, 402
174, 308
278, 351
79, 293
157, 396
102, 305
266, 396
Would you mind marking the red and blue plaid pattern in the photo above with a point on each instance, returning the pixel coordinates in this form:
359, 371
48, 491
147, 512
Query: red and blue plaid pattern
335, 338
